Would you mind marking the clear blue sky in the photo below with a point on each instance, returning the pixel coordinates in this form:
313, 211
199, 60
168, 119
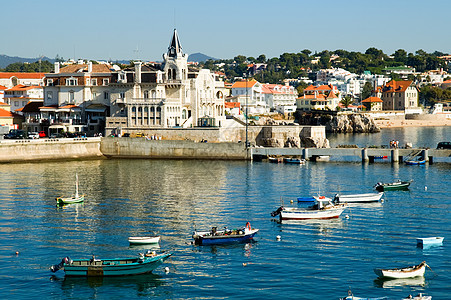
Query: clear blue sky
221, 29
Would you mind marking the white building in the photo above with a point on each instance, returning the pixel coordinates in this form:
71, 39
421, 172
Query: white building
280, 97
250, 95
11, 79
17, 97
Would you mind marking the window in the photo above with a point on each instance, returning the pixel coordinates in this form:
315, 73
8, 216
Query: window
146, 94
24, 103
106, 95
106, 81
16, 103
71, 97
49, 82
94, 81
121, 95
49, 95
88, 81
71, 81
95, 95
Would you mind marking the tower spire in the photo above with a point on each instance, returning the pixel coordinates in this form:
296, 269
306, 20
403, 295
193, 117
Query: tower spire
174, 47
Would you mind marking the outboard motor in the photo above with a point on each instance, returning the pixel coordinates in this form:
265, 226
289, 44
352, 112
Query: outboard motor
277, 212
59, 266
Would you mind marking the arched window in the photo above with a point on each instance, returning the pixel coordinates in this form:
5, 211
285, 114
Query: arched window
146, 94
154, 94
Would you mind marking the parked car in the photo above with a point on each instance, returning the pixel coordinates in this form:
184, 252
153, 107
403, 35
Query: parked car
139, 134
16, 134
444, 145
42, 134
126, 135
33, 135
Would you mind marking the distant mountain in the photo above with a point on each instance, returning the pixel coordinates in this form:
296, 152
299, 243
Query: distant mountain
6, 60
199, 57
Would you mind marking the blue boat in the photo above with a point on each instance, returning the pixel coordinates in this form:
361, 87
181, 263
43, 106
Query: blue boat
216, 237
297, 161
415, 162
144, 263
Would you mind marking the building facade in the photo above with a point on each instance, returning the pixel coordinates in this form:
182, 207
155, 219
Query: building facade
399, 95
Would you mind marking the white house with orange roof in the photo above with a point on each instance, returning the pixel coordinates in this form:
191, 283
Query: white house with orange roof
2, 92
250, 93
9, 119
19, 95
323, 97
279, 97
11, 79
372, 103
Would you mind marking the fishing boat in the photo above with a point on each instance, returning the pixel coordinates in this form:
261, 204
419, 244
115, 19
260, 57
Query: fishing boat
226, 236
420, 296
141, 240
430, 241
323, 208
275, 160
359, 198
397, 185
415, 162
69, 200
292, 160
144, 263
409, 272
352, 297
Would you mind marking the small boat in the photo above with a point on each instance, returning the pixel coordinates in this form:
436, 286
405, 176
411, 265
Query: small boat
352, 297
397, 185
215, 237
69, 200
144, 263
140, 240
420, 296
359, 198
415, 162
298, 161
322, 209
409, 272
381, 157
275, 160
430, 241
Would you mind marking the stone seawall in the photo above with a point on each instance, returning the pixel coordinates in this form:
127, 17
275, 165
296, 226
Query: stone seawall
143, 148
49, 149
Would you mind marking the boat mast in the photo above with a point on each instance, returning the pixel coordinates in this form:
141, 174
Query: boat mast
76, 185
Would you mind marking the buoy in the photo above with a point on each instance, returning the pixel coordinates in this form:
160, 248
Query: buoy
166, 269
17, 252
425, 188
347, 216
291, 201
244, 264
278, 237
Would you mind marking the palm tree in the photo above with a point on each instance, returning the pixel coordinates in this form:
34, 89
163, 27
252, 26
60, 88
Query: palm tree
346, 101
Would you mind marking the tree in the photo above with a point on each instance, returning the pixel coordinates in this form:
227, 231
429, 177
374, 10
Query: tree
400, 55
261, 58
346, 101
240, 59
367, 90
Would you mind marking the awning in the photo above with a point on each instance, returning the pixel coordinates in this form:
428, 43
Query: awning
96, 108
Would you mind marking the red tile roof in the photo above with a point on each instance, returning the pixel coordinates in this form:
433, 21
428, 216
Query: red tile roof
396, 86
242, 84
7, 114
372, 99
3, 103
21, 75
232, 104
21, 87
3, 87
96, 68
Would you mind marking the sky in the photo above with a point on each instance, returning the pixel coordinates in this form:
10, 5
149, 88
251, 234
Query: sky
142, 29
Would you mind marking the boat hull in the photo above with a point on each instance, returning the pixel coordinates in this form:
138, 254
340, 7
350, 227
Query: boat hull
430, 241
202, 239
403, 185
114, 267
306, 214
409, 272
415, 162
69, 200
361, 198
136, 240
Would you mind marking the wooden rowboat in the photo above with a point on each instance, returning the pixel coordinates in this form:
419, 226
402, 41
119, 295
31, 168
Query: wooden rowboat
144, 263
359, 198
143, 240
430, 241
409, 272
215, 237
397, 185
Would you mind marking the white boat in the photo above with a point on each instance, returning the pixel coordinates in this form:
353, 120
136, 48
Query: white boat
420, 296
430, 241
409, 272
69, 200
322, 209
143, 239
359, 198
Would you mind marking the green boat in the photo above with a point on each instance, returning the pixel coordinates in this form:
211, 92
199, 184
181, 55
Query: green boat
144, 263
397, 185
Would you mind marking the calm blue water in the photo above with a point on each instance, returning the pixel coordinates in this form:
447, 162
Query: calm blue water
313, 260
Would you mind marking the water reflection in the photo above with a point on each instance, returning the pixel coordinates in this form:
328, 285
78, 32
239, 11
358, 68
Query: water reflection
322, 227
143, 285
417, 281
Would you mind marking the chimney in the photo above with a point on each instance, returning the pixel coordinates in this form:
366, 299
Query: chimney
90, 67
57, 67
138, 71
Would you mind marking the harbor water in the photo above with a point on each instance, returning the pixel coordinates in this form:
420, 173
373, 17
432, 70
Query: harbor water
312, 259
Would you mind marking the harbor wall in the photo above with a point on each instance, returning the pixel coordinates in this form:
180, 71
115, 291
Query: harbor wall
49, 149
143, 148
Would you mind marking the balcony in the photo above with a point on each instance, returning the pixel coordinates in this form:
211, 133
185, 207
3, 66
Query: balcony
147, 101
